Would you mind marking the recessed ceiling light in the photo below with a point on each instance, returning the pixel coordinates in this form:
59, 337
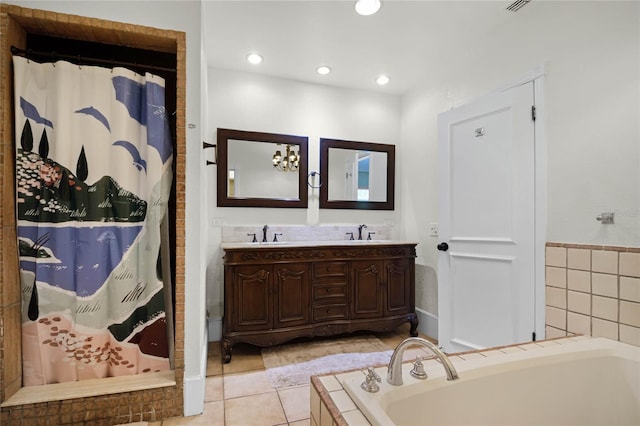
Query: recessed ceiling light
382, 79
254, 58
367, 7
323, 70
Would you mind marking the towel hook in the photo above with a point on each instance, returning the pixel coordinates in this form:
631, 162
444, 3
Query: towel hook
206, 145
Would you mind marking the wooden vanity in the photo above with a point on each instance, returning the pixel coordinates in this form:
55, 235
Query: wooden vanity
274, 292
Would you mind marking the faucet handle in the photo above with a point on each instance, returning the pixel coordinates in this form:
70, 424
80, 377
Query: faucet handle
369, 235
275, 236
350, 235
418, 369
371, 381
254, 240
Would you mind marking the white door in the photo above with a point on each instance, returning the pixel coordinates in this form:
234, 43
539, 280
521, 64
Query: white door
486, 283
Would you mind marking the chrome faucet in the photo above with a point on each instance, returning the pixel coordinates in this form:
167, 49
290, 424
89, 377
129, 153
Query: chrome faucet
360, 228
264, 233
394, 370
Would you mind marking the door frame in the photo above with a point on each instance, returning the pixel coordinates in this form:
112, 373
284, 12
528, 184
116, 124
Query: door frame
538, 77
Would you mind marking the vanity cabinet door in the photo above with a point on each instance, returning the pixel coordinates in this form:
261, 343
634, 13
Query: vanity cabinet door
399, 280
367, 289
292, 294
251, 298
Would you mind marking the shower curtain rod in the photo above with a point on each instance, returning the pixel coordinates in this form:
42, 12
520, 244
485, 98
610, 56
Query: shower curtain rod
26, 52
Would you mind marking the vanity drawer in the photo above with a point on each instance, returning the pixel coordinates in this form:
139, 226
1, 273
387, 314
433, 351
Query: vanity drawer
330, 269
330, 292
329, 312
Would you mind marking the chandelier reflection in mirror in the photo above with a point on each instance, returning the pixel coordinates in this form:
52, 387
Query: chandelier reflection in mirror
287, 163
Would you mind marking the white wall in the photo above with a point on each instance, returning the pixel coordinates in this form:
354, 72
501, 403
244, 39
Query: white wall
591, 51
248, 101
180, 16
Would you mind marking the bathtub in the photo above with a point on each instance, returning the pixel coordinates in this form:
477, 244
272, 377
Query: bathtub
584, 382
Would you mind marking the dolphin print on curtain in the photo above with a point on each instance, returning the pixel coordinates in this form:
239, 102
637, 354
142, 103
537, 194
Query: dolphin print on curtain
93, 178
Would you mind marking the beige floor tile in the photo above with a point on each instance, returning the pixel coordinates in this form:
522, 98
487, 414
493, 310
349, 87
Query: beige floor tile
214, 367
390, 339
213, 389
304, 422
243, 384
244, 358
295, 401
213, 415
254, 410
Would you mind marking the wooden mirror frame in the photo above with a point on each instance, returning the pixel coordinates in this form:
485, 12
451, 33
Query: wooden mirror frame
223, 137
325, 203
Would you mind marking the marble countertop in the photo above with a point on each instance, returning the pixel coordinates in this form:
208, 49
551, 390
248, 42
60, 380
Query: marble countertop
284, 244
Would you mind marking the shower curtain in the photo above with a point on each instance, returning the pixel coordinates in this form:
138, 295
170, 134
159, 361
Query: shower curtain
93, 177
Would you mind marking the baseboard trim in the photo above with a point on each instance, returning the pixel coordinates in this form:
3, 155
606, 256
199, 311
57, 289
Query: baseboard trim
428, 323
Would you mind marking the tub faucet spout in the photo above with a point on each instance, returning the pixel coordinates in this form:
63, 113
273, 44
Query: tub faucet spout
394, 370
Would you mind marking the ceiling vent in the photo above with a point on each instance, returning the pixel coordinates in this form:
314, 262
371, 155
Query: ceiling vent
517, 5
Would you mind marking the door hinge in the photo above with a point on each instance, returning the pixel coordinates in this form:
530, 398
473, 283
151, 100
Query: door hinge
533, 112
533, 336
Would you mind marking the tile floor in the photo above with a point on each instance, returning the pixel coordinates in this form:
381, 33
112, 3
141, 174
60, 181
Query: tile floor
239, 393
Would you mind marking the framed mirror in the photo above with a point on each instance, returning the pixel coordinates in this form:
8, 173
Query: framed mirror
257, 169
356, 175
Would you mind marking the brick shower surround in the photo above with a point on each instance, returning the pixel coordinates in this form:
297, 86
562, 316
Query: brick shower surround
593, 290
145, 405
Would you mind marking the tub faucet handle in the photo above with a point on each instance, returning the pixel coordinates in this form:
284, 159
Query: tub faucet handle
371, 381
418, 369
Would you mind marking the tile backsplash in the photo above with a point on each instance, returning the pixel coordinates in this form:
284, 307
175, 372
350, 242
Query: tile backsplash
593, 290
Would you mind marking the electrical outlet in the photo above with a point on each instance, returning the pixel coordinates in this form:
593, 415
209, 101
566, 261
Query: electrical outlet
433, 229
215, 221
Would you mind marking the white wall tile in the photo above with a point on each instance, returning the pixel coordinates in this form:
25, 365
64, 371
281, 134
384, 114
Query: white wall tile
556, 297
556, 317
578, 324
604, 261
579, 302
579, 280
556, 256
630, 264
630, 289
552, 332
556, 277
630, 335
579, 259
630, 313
605, 308
603, 328
604, 284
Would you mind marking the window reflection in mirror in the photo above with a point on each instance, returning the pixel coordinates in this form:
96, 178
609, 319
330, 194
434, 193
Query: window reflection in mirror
358, 175
257, 169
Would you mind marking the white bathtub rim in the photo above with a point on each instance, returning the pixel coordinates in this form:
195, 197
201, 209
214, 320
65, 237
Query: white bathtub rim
372, 404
